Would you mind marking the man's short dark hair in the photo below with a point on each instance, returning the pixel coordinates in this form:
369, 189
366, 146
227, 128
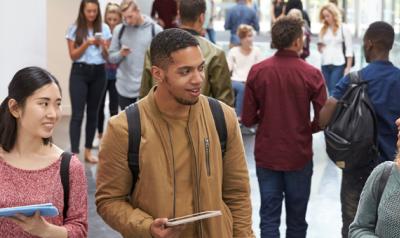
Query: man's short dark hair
381, 34
285, 31
167, 42
190, 10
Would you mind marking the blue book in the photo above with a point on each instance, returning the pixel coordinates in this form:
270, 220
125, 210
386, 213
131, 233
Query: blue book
45, 209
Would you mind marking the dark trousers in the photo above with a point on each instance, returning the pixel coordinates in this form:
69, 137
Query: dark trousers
352, 185
112, 104
86, 88
295, 187
124, 101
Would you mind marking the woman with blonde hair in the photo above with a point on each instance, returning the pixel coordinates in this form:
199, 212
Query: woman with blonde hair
331, 37
378, 209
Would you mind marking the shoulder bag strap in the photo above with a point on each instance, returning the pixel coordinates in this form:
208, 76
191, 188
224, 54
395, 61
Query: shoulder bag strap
134, 137
64, 174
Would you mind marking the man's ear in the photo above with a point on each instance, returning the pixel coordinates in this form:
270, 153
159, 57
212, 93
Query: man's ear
14, 108
368, 45
297, 43
158, 74
202, 18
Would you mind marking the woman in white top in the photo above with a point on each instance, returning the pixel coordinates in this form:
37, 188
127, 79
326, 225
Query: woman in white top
331, 37
240, 60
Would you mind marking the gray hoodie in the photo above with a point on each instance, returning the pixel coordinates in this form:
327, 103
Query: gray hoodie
138, 39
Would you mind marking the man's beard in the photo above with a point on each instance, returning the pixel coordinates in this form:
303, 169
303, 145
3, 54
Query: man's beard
184, 101
179, 100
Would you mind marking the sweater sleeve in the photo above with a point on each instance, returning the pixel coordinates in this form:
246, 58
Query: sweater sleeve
76, 221
365, 220
318, 98
114, 55
251, 107
236, 186
114, 183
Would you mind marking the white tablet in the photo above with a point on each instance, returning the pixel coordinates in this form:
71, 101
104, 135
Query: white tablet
192, 218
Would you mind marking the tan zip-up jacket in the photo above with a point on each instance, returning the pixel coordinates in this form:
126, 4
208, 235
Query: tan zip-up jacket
221, 184
217, 83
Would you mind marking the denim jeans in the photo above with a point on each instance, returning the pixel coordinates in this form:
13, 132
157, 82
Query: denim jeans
294, 187
238, 88
86, 88
332, 75
211, 34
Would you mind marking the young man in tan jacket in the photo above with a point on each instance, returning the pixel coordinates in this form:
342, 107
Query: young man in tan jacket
182, 168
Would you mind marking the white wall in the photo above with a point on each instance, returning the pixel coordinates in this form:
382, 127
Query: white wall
23, 38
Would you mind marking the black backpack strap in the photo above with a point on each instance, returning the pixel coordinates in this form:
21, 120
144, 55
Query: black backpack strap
153, 30
219, 120
64, 174
355, 78
121, 32
134, 137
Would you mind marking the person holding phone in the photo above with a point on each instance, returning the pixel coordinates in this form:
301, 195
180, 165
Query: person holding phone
128, 47
88, 40
330, 44
30, 162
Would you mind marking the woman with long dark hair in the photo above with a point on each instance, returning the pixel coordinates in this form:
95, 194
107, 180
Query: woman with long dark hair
30, 163
88, 40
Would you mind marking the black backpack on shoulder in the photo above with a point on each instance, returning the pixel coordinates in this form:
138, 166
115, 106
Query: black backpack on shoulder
351, 136
134, 133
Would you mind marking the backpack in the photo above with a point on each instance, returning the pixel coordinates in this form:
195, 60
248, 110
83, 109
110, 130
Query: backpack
351, 135
121, 32
133, 117
64, 174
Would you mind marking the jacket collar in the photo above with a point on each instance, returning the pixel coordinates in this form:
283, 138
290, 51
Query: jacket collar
191, 31
194, 113
287, 53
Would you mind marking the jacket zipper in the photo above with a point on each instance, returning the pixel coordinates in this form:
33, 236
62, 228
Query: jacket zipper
207, 148
173, 172
197, 203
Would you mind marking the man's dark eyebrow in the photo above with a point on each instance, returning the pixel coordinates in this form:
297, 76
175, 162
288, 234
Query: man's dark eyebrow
192, 67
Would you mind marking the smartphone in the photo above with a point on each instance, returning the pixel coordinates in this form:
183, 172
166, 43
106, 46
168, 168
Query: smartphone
98, 35
192, 218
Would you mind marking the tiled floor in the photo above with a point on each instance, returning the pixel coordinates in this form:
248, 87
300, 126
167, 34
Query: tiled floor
324, 216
